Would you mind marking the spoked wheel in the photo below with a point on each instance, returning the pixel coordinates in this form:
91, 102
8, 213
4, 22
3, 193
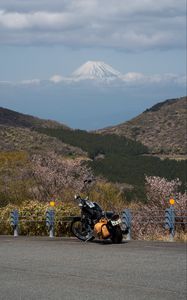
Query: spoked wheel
80, 231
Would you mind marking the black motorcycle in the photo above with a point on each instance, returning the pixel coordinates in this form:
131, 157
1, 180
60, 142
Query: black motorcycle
95, 223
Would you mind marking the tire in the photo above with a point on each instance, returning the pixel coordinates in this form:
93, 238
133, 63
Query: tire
117, 235
78, 230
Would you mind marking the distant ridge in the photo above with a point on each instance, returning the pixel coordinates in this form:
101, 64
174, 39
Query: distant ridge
12, 118
21, 132
162, 128
158, 106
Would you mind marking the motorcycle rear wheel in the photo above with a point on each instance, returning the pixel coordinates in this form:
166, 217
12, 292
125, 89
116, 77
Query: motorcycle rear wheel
78, 229
117, 235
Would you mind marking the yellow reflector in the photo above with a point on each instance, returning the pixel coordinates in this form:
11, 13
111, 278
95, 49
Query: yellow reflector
52, 203
172, 201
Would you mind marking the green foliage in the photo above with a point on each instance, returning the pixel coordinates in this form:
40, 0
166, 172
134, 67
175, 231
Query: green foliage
132, 169
123, 160
96, 144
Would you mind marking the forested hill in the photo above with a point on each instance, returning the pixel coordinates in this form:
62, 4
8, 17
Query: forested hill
119, 159
162, 128
112, 157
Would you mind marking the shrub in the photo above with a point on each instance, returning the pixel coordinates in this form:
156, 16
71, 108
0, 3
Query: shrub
108, 196
32, 216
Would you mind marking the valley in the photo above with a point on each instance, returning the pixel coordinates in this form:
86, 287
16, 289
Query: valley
54, 159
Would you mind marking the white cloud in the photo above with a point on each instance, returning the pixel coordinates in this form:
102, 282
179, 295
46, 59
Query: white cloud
156, 79
127, 79
41, 20
56, 78
133, 77
30, 82
122, 24
169, 78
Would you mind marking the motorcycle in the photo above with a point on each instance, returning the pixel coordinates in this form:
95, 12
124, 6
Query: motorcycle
95, 223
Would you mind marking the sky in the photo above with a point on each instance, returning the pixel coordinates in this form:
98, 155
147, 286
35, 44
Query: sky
43, 38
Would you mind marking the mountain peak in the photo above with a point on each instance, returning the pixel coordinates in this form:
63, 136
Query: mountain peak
96, 70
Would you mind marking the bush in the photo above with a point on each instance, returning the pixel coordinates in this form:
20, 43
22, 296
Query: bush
32, 218
108, 196
15, 177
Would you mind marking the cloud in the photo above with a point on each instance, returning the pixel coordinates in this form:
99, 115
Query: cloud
31, 81
36, 20
56, 78
134, 79
121, 24
155, 79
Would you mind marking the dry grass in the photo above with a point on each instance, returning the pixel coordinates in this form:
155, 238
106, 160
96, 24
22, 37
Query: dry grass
162, 130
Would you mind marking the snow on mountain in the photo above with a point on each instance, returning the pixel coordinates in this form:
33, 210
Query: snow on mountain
99, 73
97, 70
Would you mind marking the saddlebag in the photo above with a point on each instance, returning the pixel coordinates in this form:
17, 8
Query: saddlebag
101, 229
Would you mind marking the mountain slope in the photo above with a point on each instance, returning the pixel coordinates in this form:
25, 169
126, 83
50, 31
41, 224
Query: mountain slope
55, 160
34, 165
12, 118
20, 132
24, 139
161, 128
95, 70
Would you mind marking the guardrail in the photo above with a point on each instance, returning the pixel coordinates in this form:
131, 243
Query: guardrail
168, 219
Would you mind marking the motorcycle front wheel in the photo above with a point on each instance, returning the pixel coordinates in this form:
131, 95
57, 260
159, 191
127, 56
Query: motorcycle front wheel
79, 230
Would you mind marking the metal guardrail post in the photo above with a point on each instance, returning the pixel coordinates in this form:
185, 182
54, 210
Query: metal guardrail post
50, 218
126, 223
14, 220
170, 221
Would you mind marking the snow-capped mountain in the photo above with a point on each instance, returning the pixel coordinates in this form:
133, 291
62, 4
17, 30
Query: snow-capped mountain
98, 73
96, 70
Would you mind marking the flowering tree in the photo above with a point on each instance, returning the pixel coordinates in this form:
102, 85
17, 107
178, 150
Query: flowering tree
54, 174
160, 190
148, 220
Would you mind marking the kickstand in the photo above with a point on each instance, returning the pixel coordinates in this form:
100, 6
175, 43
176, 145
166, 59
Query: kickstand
88, 239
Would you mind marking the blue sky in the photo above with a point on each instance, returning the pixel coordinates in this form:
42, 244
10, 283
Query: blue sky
41, 38
26, 62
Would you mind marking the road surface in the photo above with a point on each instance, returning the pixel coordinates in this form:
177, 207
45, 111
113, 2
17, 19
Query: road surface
40, 268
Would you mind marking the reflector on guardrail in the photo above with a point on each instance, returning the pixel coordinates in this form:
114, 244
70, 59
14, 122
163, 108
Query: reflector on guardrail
14, 220
170, 221
50, 220
126, 223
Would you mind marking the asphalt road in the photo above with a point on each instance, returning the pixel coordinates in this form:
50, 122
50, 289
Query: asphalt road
63, 268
